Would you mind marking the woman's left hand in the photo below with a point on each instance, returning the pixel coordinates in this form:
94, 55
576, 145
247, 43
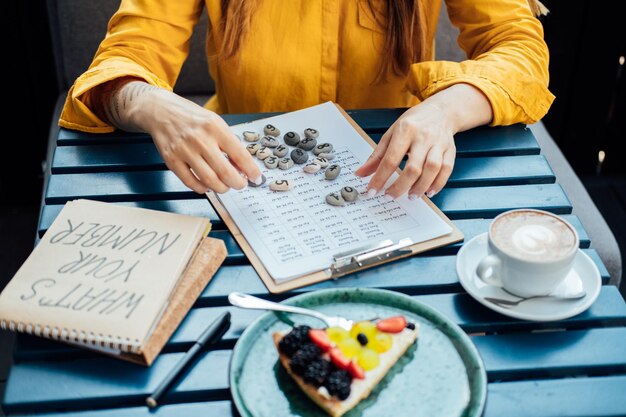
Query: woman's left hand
426, 136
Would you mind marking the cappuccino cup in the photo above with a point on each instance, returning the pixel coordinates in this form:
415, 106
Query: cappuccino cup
530, 252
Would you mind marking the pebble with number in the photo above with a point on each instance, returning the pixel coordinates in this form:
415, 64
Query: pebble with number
280, 185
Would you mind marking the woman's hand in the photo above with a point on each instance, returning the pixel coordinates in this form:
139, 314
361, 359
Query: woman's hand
195, 143
426, 134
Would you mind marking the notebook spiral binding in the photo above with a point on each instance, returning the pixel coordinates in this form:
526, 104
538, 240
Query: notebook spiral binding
82, 337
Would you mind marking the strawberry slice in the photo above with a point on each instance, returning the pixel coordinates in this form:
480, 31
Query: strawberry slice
356, 371
393, 324
320, 338
338, 358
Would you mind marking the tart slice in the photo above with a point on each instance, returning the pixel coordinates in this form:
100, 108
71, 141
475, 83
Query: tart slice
337, 368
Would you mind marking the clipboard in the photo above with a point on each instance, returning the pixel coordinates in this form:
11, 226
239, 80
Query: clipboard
346, 262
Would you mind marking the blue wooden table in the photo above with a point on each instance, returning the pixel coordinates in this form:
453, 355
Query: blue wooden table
574, 367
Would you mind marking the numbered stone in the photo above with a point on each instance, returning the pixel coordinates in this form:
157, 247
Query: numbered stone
251, 136
291, 138
349, 194
299, 156
323, 148
263, 153
271, 130
307, 144
312, 168
269, 141
323, 162
285, 163
335, 199
330, 156
251, 184
280, 185
311, 133
281, 151
332, 172
271, 162
253, 148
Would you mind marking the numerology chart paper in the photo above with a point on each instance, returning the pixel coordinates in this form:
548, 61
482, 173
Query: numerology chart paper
296, 232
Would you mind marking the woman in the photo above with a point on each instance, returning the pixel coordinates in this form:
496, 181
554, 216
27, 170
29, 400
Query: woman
269, 55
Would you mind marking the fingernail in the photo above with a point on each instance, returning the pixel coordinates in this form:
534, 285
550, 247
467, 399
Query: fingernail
387, 198
412, 197
431, 193
258, 180
372, 192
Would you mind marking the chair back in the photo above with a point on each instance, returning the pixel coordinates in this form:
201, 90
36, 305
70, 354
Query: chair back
78, 27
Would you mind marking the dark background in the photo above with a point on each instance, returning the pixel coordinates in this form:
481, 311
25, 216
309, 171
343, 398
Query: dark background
585, 38
29, 91
587, 41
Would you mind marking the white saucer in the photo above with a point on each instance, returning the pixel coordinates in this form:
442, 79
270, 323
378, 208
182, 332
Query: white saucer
583, 276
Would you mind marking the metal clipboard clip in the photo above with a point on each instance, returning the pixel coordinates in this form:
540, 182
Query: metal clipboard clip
346, 262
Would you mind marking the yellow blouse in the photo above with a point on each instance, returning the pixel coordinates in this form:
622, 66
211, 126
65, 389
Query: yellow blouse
298, 53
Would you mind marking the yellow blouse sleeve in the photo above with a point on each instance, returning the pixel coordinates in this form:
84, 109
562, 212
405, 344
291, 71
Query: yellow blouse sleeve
508, 60
145, 39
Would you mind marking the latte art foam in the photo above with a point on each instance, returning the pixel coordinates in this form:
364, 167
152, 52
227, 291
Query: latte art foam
533, 235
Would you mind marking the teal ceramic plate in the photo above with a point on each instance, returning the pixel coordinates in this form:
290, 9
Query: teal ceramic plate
441, 375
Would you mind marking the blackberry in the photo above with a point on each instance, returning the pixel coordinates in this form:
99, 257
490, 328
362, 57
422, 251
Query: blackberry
362, 338
317, 371
303, 356
410, 326
301, 332
294, 340
338, 384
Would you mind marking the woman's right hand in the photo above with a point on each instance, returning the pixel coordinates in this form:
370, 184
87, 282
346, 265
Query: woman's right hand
195, 143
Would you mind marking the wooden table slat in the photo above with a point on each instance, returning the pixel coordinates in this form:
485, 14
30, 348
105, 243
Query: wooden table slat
457, 203
415, 275
102, 158
197, 207
514, 356
468, 203
470, 229
549, 354
608, 310
221, 408
573, 397
145, 157
469, 172
512, 140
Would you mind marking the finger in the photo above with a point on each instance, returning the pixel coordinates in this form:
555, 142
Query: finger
373, 161
444, 173
432, 168
207, 175
396, 150
182, 171
411, 172
241, 158
223, 168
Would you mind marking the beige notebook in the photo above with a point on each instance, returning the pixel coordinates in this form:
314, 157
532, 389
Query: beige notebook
112, 278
